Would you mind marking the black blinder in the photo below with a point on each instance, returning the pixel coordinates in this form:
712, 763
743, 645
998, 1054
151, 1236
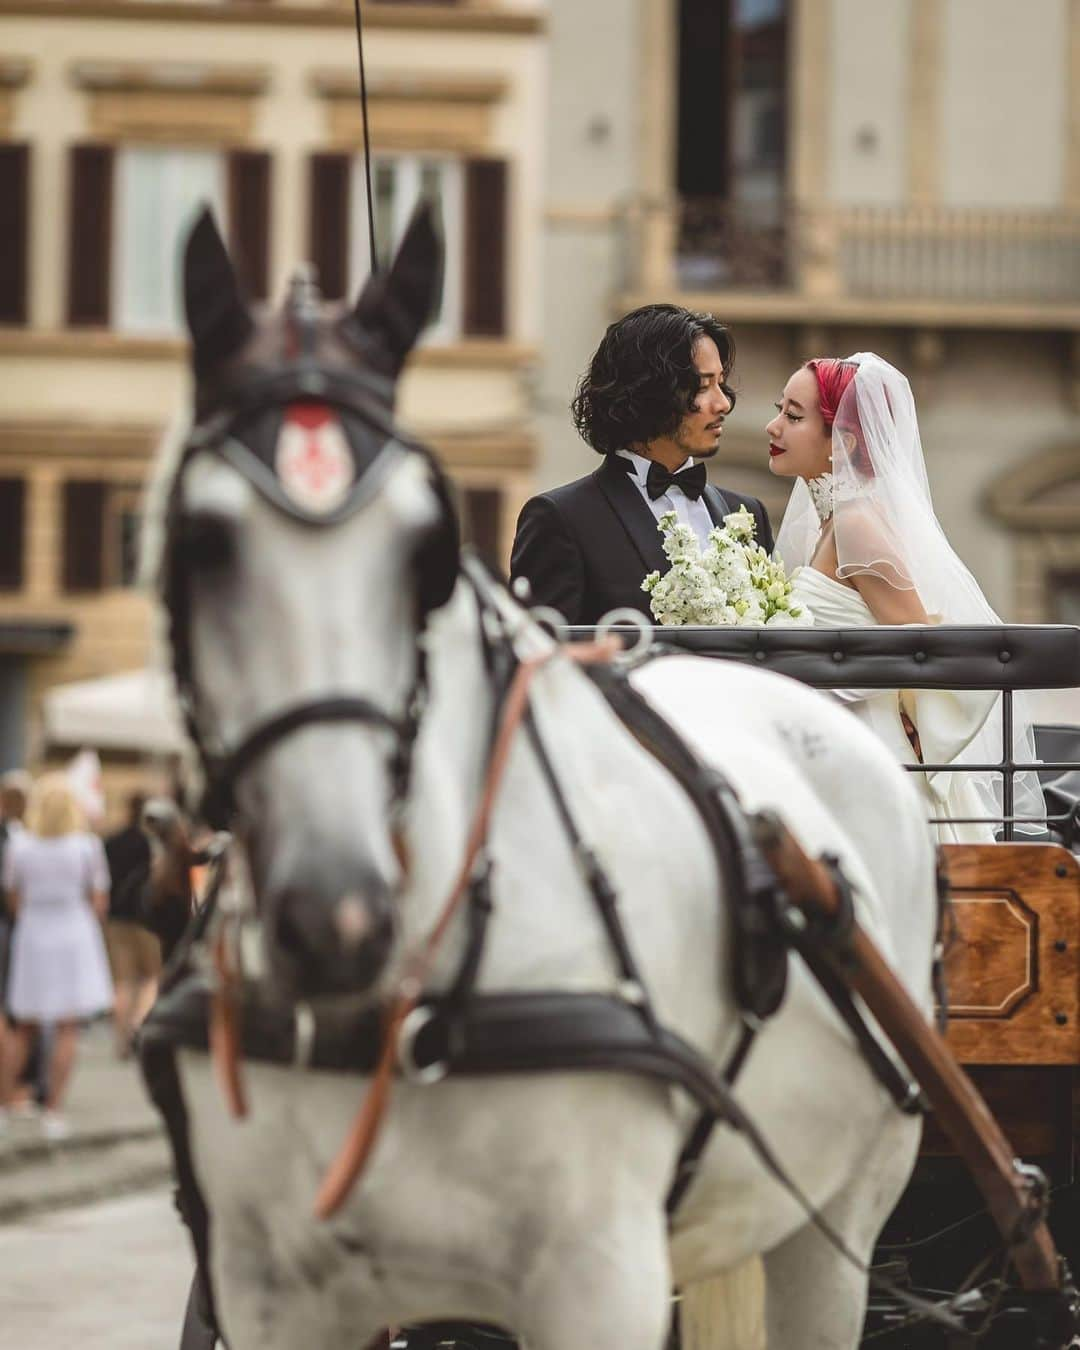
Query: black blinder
438, 559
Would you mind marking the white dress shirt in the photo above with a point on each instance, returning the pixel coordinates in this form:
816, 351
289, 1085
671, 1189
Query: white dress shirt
694, 514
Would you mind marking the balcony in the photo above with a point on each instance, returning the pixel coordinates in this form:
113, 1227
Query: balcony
936, 266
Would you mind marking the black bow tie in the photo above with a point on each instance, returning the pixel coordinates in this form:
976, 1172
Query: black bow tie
691, 481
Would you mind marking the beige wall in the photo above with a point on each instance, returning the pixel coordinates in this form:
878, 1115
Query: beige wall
608, 87
1004, 102
868, 106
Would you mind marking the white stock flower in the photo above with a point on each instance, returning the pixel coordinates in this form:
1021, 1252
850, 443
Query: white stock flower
731, 581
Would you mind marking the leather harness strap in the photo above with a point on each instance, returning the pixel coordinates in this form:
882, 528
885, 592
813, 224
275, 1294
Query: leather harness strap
811, 887
347, 1166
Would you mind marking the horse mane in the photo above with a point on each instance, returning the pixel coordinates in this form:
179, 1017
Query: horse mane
155, 499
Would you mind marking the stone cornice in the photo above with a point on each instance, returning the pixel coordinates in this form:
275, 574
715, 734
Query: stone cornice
60, 438
410, 86
95, 343
470, 18
493, 451
499, 450
169, 77
792, 307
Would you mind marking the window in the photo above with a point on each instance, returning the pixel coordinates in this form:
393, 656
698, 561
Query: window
123, 528
398, 183
14, 231
130, 208
12, 532
732, 90
472, 198
101, 526
481, 522
731, 170
159, 191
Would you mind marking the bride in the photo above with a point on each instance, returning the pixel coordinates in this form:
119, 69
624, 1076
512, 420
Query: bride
863, 545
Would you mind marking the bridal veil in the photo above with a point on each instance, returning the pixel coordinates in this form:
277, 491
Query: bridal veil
885, 525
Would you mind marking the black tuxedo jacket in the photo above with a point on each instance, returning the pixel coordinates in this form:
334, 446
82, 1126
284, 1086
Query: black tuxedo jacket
586, 547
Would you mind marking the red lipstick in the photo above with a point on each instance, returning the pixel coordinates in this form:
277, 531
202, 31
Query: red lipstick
775, 450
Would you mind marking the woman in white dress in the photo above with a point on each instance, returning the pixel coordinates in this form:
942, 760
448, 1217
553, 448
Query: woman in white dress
864, 547
57, 881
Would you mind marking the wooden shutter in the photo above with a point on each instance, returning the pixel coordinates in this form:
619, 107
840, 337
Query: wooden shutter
249, 220
14, 218
90, 234
12, 532
485, 248
328, 243
84, 535
482, 518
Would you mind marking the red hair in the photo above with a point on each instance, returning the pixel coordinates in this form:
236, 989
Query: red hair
833, 377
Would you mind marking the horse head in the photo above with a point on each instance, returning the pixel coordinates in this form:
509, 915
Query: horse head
306, 541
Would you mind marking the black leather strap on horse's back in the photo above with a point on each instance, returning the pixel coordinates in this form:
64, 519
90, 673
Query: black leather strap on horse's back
759, 958
603, 893
157, 1059
178, 961
500, 666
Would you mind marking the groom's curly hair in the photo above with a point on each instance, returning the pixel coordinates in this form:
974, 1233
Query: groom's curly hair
642, 380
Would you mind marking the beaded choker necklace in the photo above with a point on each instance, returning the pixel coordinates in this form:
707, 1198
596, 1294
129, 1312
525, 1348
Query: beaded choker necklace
822, 492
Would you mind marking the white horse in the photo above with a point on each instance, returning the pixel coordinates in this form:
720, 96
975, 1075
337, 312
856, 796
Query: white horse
536, 1203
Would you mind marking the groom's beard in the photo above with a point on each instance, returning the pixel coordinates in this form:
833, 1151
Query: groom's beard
697, 452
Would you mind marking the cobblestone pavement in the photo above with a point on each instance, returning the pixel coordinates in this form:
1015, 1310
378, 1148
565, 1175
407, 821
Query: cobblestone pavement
116, 1144
108, 1276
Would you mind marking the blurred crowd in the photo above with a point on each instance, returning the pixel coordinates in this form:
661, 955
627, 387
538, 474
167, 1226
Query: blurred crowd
76, 939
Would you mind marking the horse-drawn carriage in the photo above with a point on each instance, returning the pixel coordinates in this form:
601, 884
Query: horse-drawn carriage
1012, 945
467, 852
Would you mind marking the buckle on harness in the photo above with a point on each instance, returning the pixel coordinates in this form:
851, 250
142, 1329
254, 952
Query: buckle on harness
411, 1029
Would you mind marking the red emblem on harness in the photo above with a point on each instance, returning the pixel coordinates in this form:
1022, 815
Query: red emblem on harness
313, 461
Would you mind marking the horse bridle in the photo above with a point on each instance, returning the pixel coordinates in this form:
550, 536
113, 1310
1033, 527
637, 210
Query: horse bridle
363, 394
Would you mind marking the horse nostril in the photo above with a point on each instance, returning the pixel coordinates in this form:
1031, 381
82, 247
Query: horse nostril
352, 920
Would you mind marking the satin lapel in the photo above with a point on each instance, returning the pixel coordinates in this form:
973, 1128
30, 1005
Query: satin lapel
716, 504
633, 515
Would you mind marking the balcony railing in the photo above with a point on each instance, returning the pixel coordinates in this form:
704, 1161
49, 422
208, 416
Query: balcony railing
868, 253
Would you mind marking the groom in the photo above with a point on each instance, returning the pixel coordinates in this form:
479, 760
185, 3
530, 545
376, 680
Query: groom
653, 403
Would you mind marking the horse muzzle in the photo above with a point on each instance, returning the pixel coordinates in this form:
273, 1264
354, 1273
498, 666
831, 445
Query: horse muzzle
320, 947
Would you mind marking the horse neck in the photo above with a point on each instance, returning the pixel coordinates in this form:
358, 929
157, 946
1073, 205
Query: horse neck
451, 752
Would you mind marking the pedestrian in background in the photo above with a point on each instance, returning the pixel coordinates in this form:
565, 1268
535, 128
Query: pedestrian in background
134, 952
57, 881
14, 787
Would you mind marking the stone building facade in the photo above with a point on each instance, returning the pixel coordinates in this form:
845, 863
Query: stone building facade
832, 176
117, 117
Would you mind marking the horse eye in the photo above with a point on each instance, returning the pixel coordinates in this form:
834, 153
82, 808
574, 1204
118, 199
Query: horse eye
208, 541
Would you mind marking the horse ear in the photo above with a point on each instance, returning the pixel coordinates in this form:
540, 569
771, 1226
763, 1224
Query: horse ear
394, 306
217, 318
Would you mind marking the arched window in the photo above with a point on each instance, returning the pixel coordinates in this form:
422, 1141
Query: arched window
1039, 500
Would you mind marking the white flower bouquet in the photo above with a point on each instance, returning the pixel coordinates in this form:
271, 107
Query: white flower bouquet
731, 581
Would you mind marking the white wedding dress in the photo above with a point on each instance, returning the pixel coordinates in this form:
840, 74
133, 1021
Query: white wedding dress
947, 720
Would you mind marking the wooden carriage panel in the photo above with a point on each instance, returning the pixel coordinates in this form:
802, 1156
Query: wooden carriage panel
1013, 969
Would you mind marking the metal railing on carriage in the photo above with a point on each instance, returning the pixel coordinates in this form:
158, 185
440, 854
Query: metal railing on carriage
1004, 658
